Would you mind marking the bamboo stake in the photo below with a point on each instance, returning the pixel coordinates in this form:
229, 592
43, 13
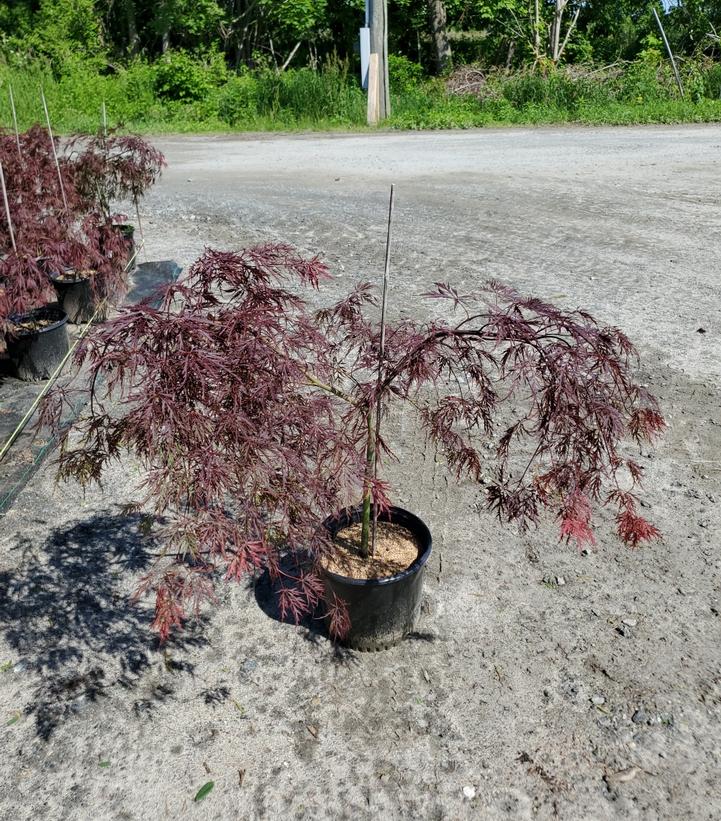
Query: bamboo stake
105, 120
7, 209
381, 357
55, 153
140, 227
15, 121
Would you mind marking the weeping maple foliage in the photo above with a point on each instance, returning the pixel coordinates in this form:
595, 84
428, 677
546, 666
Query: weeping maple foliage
70, 226
110, 167
249, 415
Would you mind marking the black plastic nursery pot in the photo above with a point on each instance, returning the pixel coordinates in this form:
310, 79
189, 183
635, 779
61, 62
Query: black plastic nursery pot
382, 611
76, 297
35, 354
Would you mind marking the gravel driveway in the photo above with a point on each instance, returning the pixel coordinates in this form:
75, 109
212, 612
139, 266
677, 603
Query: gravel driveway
540, 683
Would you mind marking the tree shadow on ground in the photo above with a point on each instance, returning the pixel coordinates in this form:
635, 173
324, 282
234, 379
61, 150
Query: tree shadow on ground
66, 611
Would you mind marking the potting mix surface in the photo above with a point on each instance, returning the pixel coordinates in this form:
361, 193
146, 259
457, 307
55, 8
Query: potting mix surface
396, 548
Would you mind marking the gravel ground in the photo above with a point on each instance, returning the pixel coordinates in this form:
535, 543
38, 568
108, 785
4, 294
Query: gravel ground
540, 683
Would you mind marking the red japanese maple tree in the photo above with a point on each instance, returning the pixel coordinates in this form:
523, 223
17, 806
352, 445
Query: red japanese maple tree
61, 215
250, 415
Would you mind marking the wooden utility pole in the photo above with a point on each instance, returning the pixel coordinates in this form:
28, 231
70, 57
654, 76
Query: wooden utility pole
378, 23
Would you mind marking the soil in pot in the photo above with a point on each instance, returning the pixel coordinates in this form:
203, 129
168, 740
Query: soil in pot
396, 548
39, 343
76, 296
383, 595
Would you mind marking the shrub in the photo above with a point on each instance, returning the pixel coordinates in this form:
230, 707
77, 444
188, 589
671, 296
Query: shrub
237, 102
179, 76
252, 417
404, 74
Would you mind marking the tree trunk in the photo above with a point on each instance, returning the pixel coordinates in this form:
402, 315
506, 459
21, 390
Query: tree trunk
536, 32
133, 38
439, 33
556, 29
165, 18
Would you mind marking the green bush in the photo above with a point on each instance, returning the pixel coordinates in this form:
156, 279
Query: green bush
238, 100
201, 96
712, 81
180, 76
404, 75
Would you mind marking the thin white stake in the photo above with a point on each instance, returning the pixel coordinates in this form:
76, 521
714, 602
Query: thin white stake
105, 120
7, 209
381, 357
15, 121
140, 228
55, 153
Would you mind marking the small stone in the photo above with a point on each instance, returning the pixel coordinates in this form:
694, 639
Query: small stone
469, 792
560, 581
20, 667
639, 717
598, 700
630, 622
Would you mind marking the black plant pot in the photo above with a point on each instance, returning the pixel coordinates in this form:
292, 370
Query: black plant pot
76, 298
381, 611
35, 355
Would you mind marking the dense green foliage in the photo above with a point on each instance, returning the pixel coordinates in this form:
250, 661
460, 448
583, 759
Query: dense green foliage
258, 64
264, 32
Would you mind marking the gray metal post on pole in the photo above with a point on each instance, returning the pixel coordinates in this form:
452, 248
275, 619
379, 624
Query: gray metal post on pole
378, 24
670, 53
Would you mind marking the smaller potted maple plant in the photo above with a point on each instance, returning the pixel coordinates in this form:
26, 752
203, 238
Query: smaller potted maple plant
32, 329
253, 420
110, 167
88, 270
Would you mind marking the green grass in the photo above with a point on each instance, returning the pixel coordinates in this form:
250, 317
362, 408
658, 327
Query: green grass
182, 96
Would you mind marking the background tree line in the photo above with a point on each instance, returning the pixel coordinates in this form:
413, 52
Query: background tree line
282, 33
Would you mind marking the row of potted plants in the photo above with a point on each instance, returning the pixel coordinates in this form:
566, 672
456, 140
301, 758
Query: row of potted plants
64, 253
257, 423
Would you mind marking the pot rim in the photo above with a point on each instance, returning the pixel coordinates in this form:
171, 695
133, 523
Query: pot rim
34, 313
417, 526
55, 277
